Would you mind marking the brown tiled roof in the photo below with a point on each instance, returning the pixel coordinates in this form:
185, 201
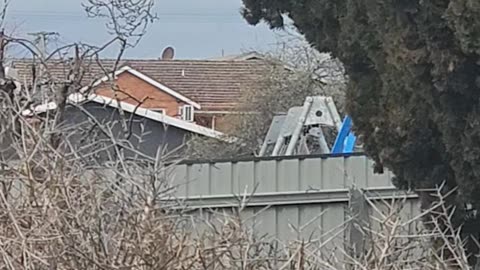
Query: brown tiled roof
215, 85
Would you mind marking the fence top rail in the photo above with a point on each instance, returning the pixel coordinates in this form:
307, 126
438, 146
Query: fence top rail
278, 158
292, 198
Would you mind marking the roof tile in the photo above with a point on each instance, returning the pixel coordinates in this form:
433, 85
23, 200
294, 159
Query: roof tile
216, 85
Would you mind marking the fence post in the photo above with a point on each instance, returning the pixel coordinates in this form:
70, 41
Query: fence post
357, 242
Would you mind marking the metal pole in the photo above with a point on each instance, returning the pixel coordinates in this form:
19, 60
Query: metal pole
275, 130
41, 42
298, 129
263, 149
332, 109
278, 145
323, 142
42, 46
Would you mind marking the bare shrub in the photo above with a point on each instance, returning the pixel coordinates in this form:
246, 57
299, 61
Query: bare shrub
60, 211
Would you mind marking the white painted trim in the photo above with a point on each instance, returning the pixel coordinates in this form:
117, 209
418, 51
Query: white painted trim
162, 87
226, 112
162, 110
155, 116
159, 117
40, 108
184, 115
147, 79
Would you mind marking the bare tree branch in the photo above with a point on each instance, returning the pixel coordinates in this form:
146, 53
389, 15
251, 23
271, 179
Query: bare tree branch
126, 19
3, 13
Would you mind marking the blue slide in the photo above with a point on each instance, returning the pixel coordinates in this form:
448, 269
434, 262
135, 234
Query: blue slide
345, 142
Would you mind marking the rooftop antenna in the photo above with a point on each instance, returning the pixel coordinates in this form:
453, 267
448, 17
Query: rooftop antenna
168, 53
41, 39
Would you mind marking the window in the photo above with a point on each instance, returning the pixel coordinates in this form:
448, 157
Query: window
159, 110
186, 112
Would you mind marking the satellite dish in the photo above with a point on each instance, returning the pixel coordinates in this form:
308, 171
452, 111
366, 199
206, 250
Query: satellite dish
168, 53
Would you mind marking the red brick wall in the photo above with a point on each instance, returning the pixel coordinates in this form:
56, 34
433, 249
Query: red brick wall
132, 88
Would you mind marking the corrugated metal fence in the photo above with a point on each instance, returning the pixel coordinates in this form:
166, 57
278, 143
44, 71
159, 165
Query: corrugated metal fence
289, 174
288, 198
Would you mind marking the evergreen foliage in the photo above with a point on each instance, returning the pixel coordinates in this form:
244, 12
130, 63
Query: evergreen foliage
414, 72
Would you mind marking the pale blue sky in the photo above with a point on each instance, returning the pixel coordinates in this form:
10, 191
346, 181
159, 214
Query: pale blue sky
196, 28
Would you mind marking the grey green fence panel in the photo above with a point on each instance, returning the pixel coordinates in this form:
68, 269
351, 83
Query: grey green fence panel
289, 198
282, 175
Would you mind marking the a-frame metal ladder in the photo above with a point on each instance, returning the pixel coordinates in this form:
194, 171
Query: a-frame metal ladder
292, 133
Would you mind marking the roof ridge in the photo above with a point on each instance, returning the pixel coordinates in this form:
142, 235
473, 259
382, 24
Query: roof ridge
123, 60
197, 79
